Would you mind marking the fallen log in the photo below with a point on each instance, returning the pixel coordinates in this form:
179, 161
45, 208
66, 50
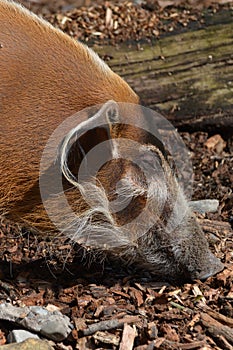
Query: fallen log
187, 76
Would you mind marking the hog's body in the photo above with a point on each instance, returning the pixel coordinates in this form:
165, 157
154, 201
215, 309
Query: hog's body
45, 77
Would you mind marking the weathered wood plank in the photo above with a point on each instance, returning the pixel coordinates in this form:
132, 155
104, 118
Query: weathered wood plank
187, 76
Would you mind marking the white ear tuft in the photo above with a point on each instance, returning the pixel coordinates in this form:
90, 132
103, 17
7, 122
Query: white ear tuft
112, 112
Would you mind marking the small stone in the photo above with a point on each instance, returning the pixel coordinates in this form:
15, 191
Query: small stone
205, 206
54, 325
55, 330
19, 335
28, 344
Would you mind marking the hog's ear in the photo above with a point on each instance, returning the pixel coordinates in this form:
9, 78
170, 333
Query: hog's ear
112, 117
107, 115
98, 128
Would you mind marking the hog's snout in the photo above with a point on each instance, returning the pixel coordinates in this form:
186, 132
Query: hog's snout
180, 255
212, 266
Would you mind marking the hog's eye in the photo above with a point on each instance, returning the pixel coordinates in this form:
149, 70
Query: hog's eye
150, 158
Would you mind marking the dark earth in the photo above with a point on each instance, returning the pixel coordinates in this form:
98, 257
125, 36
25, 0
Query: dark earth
141, 313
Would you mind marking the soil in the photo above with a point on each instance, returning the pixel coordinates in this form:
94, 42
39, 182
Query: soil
140, 312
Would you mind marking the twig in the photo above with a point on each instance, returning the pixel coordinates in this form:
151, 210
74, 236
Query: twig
109, 324
219, 317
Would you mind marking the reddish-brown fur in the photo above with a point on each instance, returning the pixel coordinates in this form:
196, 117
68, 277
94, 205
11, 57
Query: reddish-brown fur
45, 77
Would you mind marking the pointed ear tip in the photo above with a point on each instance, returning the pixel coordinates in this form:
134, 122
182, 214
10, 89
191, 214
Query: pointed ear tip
111, 104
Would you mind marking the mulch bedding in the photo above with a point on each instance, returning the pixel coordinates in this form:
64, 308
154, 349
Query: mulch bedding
118, 21
113, 306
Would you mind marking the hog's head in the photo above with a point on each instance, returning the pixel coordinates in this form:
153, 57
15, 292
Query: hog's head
128, 202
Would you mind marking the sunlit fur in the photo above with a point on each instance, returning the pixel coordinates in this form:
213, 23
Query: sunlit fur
45, 77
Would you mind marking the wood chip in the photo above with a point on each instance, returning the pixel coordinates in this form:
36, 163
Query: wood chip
107, 338
129, 334
216, 143
137, 295
216, 329
220, 317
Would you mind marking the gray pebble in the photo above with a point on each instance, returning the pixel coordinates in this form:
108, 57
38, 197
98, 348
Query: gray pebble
19, 335
205, 205
53, 325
